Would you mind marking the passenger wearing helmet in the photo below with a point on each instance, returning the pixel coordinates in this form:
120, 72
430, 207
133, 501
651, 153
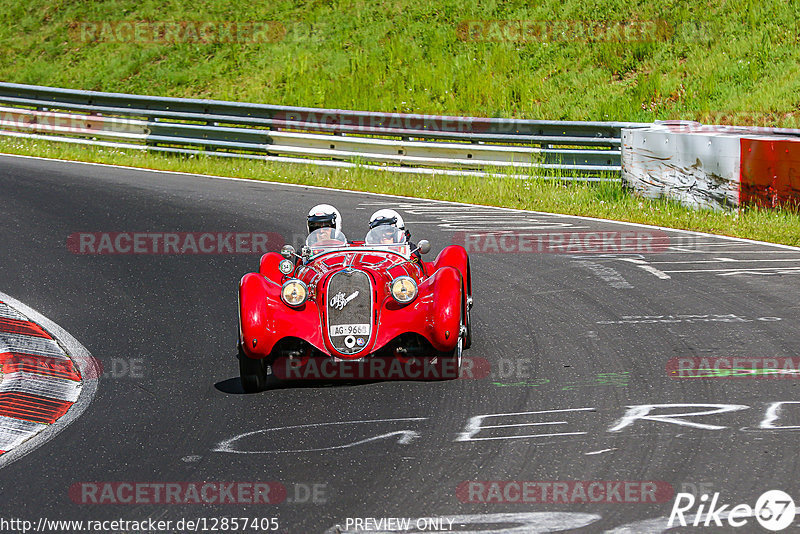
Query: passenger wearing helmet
395, 229
388, 235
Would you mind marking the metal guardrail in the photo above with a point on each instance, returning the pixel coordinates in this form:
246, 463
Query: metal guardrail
386, 141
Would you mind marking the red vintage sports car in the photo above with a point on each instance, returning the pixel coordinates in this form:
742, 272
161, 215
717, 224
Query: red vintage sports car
359, 302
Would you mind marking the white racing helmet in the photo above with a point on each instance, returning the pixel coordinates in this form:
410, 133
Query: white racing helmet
387, 217
386, 226
324, 216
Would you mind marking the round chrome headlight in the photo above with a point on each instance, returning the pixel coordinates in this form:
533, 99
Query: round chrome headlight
294, 293
286, 266
404, 289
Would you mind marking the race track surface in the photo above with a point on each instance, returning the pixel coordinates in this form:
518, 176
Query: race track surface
590, 334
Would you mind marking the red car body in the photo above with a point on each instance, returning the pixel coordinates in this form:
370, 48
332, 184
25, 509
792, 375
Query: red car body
350, 313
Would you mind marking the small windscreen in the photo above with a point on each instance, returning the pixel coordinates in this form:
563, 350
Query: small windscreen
385, 235
326, 237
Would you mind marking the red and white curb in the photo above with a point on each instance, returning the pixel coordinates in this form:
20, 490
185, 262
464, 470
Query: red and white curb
48, 379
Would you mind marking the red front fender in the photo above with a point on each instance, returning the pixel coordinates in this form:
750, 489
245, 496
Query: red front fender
455, 256
264, 319
268, 266
435, 314
446, 309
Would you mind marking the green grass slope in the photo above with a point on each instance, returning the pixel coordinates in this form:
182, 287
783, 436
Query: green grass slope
695, 59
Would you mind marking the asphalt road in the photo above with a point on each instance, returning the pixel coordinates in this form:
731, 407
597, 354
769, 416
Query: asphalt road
587, 333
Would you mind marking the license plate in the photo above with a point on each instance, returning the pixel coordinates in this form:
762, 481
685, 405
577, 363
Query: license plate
350, 330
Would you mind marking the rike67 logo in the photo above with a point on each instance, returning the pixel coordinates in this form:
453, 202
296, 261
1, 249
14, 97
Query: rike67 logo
774, 510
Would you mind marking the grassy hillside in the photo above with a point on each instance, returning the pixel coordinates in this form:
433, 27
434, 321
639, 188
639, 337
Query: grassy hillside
721, 61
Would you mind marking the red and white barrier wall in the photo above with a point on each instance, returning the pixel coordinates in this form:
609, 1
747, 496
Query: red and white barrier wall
40, 382
712, 166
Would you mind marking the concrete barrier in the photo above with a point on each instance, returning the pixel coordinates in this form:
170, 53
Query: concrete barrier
713, 167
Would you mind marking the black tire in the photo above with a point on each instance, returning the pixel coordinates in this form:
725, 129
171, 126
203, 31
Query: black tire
252, 372
468, 311
451, 362
468, 335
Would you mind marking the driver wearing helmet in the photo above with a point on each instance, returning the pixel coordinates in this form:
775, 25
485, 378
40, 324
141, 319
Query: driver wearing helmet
324, 216
395, 229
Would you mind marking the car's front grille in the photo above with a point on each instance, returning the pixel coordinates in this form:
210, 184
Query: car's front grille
349, 305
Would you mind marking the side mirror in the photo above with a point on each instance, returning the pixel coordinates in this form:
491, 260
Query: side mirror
288, 252
424, 246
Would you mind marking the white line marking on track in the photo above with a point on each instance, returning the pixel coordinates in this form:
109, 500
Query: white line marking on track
661, 525
475, 425
641, 412
652, 270
784, 270
687, 318
762, 273
715, 244
728, 260
465, 218
606, 273
600, 451
727, 252
406, 436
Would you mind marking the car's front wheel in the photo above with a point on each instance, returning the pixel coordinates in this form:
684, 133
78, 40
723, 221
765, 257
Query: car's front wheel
468, 324
451, 361
252, 372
